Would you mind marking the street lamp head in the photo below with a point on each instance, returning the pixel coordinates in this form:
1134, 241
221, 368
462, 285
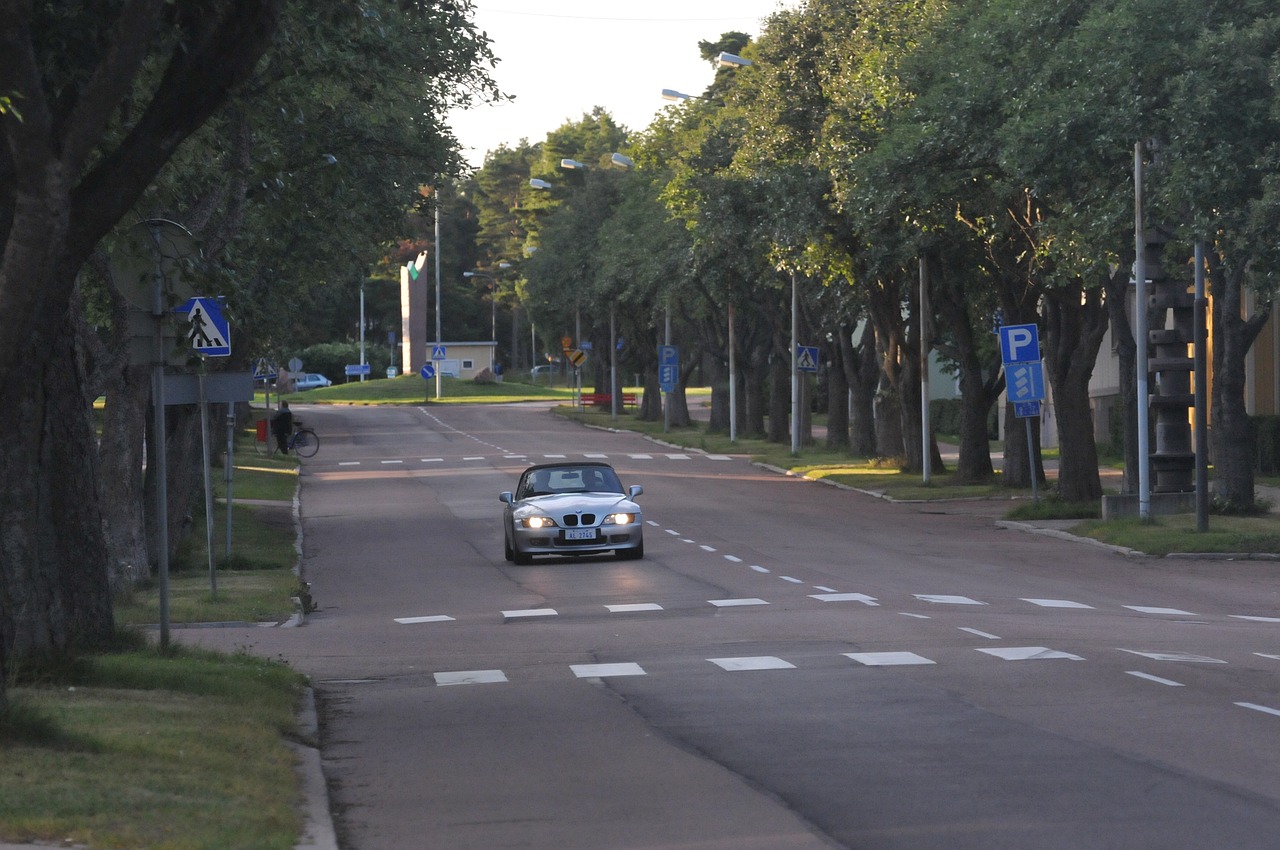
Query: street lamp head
672, 94
538, 183
571, 163
619, 160
504, 265
731, 60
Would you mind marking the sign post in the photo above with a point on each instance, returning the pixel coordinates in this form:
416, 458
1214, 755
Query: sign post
1024, 382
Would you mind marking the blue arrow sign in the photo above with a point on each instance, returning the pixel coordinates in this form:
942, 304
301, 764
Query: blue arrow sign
208, 330
428, 371
1024, 382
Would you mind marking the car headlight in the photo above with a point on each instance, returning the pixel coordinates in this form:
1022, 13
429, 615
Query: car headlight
538, 522
619, 519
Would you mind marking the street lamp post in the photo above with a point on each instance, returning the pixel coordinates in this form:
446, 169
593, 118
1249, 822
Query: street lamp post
493, 307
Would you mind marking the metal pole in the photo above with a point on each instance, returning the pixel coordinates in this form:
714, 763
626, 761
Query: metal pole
231, 449
160, 453
795, 371
439, 379
1202, 396
925, 454
666, 397
1140, 333
208, 481
1031, 463
362, 357
733, 382
613, 360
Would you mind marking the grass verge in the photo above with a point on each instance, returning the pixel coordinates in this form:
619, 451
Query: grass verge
184, 750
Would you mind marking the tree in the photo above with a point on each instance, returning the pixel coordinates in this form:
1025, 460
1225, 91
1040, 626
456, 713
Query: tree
68, 173
107, 95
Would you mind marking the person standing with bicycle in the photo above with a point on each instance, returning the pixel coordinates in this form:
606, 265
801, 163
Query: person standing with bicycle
282, 427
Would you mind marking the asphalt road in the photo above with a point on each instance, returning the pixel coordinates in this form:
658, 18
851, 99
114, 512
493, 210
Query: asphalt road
791, 666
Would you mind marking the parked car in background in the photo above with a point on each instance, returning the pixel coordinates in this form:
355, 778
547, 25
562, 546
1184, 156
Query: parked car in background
546, 372
310, 381
571, 509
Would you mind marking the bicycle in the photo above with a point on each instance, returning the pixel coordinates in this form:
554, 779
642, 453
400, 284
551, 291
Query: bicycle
303, 442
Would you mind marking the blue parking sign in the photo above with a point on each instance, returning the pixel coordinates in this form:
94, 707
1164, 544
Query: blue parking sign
1019, 344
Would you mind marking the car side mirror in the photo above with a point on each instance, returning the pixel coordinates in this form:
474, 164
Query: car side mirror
635, 490
506, 497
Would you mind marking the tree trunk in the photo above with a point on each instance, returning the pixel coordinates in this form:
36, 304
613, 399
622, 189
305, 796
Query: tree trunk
1234, 454
977, 393
779, 402
864, 375
53, 566
120, 487
837, 397
1127, 355
1075, 324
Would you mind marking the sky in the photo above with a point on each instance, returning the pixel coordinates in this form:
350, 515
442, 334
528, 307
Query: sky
562, 58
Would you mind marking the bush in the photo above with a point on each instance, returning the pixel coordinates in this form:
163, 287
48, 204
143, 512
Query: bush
332, 358
1266, 439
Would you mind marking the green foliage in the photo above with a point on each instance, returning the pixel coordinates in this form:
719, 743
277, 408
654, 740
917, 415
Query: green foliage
1267, 440
332, 358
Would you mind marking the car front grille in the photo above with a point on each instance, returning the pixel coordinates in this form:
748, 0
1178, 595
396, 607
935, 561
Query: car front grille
572, 520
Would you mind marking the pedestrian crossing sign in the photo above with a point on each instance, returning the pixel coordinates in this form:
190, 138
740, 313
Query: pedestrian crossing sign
807, 358
207, 328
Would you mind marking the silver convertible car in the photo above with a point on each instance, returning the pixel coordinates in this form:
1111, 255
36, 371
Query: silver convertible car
571, 509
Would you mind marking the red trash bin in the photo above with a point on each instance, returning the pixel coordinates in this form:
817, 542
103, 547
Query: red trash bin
262, 430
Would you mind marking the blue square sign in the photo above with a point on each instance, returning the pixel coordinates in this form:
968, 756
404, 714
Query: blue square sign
1024, 381
1019, 344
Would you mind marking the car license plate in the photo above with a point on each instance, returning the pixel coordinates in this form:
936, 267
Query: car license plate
579, 534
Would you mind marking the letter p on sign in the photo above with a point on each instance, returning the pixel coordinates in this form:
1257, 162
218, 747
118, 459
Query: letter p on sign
1019, 344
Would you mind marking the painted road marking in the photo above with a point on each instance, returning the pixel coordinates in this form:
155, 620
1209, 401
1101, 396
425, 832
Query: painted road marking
869, 601
597, 671
888, 659
530, 612
1155, 679
761, 662
947, 600
435, 618
1029, 653
1255, 707
1058, 603
1175, 656
979, 633
637, 606
470, 677
735, 603
1255, 619
1143, 609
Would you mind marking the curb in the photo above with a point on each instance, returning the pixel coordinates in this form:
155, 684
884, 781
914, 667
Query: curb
317, 830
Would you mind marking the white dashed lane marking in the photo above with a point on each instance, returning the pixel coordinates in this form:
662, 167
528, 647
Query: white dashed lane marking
600, 671
1030, 653
888, 659
1156, 679
1144, 609
1175, 656
470, 677
760, 662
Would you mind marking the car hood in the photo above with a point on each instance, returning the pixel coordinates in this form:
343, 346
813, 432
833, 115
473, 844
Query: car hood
568, 503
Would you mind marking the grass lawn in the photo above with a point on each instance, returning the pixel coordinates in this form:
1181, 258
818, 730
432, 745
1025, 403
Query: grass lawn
180, 751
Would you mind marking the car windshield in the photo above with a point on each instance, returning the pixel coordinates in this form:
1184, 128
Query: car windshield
569, 479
